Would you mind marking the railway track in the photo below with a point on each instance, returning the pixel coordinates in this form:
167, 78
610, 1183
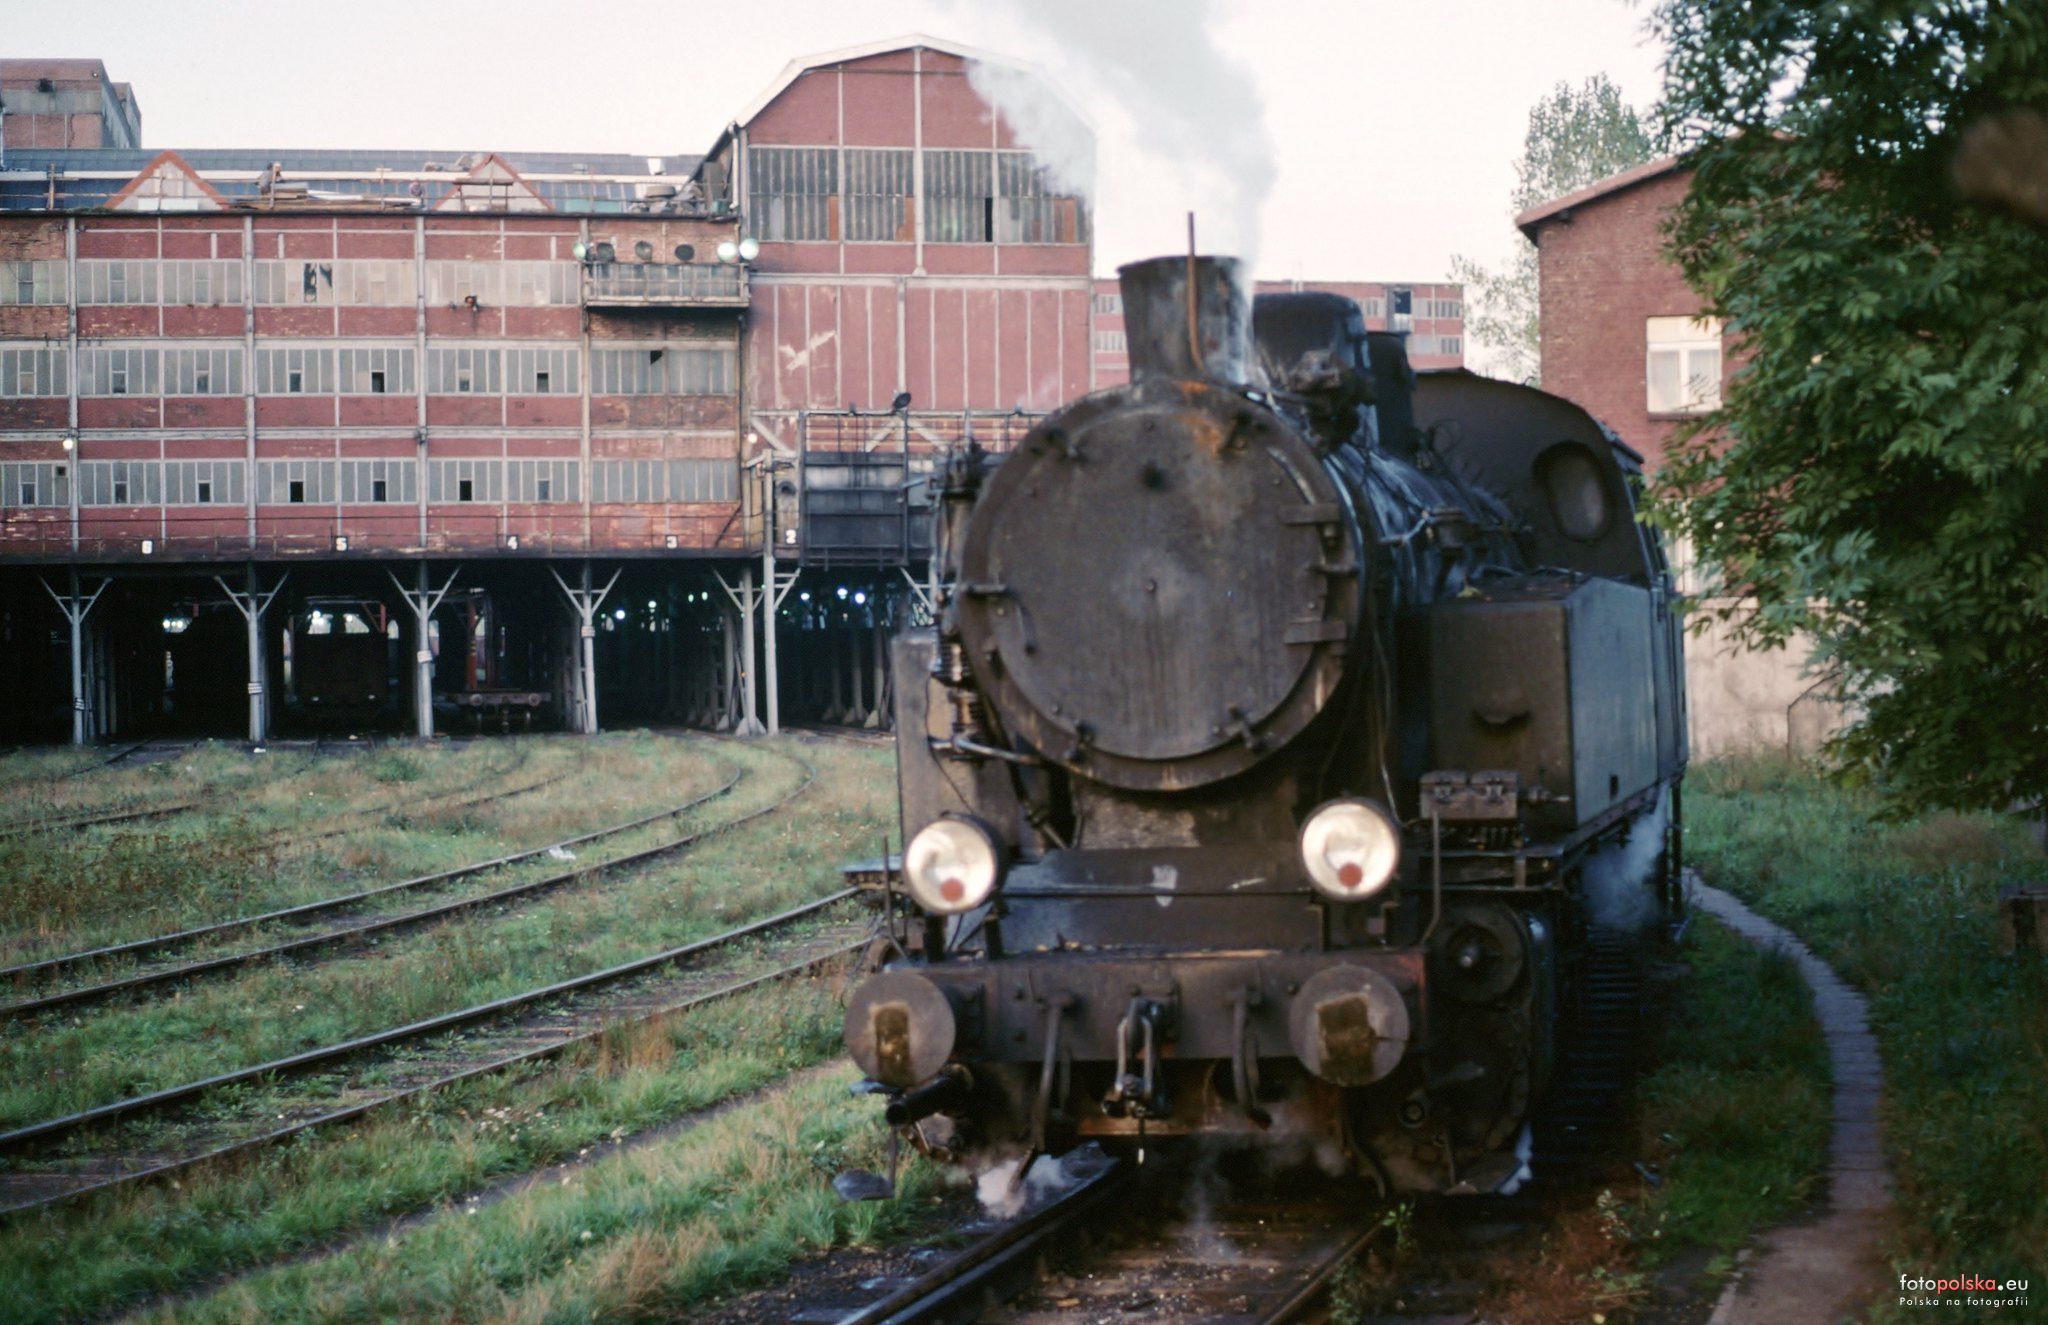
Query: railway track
234, 1112
57, 967
103, 816
1124, 1244
94, 819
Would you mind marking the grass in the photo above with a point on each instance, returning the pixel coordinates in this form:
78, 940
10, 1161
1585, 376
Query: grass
316, 1193
60, 1065
1734, 1115
105, 1252
641, 1236
281, 828
1907, 912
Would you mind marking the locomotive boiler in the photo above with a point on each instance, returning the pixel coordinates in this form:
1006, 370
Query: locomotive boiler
1290, 728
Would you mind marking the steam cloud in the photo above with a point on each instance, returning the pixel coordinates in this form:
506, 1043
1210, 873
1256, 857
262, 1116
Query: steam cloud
1003, 1197
1154, 74
1619, 877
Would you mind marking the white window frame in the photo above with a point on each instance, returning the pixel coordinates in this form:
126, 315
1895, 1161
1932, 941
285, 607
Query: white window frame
1688, 350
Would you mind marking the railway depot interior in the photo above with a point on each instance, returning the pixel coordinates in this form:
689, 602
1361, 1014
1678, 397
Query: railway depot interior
411, 441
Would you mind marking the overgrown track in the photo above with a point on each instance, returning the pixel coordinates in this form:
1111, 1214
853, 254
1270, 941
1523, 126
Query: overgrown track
1143, 1245
495, 1038
94, 819
59, 966
535, 1044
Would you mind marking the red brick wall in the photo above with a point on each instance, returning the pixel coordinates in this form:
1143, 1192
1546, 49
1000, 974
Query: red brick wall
1602, 273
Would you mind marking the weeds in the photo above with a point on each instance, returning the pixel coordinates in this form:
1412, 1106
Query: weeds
93, 1257
1907, 911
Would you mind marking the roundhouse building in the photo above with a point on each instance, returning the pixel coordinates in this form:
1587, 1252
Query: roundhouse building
304, 439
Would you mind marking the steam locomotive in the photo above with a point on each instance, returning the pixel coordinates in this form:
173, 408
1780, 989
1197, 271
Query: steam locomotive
1291, 729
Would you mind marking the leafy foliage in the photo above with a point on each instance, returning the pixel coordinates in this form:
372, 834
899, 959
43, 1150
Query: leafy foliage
1576, 137
1878, 471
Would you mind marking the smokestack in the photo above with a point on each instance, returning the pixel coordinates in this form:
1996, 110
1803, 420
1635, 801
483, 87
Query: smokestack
1156, 307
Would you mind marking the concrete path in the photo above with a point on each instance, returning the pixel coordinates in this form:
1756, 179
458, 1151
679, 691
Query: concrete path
1828, 1268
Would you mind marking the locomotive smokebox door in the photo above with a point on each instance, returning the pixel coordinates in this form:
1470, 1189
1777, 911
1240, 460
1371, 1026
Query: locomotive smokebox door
1158, 593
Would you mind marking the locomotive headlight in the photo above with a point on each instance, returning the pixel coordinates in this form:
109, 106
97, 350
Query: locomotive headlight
1351, 849
952, 865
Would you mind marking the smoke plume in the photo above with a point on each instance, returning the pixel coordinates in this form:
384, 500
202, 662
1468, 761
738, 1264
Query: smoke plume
1181, 122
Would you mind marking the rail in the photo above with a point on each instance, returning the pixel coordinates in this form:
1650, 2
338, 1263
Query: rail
664, 284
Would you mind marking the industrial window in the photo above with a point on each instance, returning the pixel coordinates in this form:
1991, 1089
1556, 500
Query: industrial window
1442, 308
542, 480
504, 284
117, 282
662, 370
374, 282
467, 370
878, 194
294, 370
207, 281
35, 483
32, 282
452, 283
214, 370
537, 284
202, 482
294, 281
1109, 305
294, 482
1400, 310
540, 372
478, 480
1372, 308
1110, 342
1683, 365
373, 481
33, 371
120, 483
118, 370
1450, 345
652, 481
790, 192
1029, 209
374, 370
959, 197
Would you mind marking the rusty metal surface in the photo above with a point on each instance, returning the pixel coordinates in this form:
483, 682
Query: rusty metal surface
1195, 618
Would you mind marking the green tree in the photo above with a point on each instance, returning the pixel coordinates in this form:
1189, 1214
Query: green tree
1576, 136
1877, 474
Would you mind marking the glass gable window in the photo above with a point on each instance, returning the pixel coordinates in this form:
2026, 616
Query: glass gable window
878, 194
791, 192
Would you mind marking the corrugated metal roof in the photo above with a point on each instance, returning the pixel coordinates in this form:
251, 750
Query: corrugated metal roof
89, 178
313, 160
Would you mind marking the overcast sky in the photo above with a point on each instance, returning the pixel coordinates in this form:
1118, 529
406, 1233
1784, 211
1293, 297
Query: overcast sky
1394, 125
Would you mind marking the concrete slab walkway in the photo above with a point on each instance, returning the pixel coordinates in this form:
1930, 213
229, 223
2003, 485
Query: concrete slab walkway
1826, 1269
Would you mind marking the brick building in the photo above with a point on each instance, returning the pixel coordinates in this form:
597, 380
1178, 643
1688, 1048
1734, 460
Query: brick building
64, 104
1620, 328
507, 436
1623, 336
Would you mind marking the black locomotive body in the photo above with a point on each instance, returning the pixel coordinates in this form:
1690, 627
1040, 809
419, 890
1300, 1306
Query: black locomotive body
1291, 725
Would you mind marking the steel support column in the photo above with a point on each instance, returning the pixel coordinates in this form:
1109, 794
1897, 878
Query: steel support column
76, 606
775, 585
586, 602
252, 602
422, 599
748, 600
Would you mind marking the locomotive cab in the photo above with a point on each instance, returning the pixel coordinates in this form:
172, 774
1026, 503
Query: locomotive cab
1223, 813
